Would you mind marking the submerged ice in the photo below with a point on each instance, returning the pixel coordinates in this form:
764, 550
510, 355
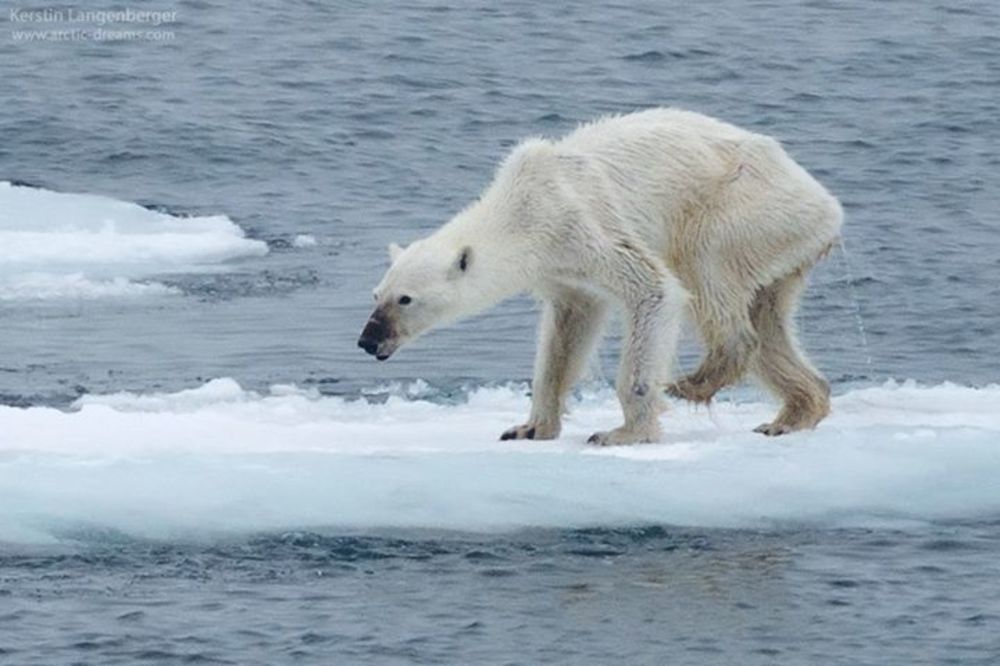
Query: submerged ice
221, 458
59, 245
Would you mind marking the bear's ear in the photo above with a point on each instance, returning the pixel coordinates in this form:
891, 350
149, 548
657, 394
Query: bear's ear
462, 262
394, 252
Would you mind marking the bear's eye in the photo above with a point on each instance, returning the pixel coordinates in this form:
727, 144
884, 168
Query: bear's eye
405, 300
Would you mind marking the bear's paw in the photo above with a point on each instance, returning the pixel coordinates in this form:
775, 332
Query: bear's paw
623, 436
531, 431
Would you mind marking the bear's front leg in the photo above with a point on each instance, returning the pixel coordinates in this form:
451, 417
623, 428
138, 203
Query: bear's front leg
571, 325
653, 327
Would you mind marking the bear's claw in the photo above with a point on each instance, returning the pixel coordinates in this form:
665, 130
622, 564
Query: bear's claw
518, 432
692, 391
598, 438
774, 429
621, 437
529, 431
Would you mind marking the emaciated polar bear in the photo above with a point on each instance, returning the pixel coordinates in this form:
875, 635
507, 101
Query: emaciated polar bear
664, 212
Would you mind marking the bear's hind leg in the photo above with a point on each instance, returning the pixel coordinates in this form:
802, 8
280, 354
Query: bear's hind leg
781, 365
571, 326
731, 343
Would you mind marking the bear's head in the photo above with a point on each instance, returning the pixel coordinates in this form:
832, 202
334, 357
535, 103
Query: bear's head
429, 283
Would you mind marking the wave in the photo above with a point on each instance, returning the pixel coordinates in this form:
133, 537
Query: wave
222, 458
56, 245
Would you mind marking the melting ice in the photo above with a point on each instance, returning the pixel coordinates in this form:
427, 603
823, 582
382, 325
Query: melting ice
221, 458
56, 245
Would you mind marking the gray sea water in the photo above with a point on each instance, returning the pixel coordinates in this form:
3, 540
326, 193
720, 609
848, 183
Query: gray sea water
365, 123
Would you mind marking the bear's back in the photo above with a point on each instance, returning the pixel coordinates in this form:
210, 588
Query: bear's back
660, 126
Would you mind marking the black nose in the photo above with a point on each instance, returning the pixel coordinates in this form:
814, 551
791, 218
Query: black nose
369, 345
376, 331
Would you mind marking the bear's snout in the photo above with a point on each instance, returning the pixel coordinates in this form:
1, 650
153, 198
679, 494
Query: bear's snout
373, 338
369, 345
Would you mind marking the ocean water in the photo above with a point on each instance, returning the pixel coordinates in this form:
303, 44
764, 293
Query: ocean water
197, 464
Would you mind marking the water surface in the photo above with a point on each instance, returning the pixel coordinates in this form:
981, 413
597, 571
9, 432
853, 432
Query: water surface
325, 130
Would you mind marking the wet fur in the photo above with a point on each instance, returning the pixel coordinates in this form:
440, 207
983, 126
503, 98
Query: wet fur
663, 213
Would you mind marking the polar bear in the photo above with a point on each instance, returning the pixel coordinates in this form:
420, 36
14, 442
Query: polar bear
664, 213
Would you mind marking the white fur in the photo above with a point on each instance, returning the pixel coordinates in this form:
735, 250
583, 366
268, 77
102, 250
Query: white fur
652, 211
